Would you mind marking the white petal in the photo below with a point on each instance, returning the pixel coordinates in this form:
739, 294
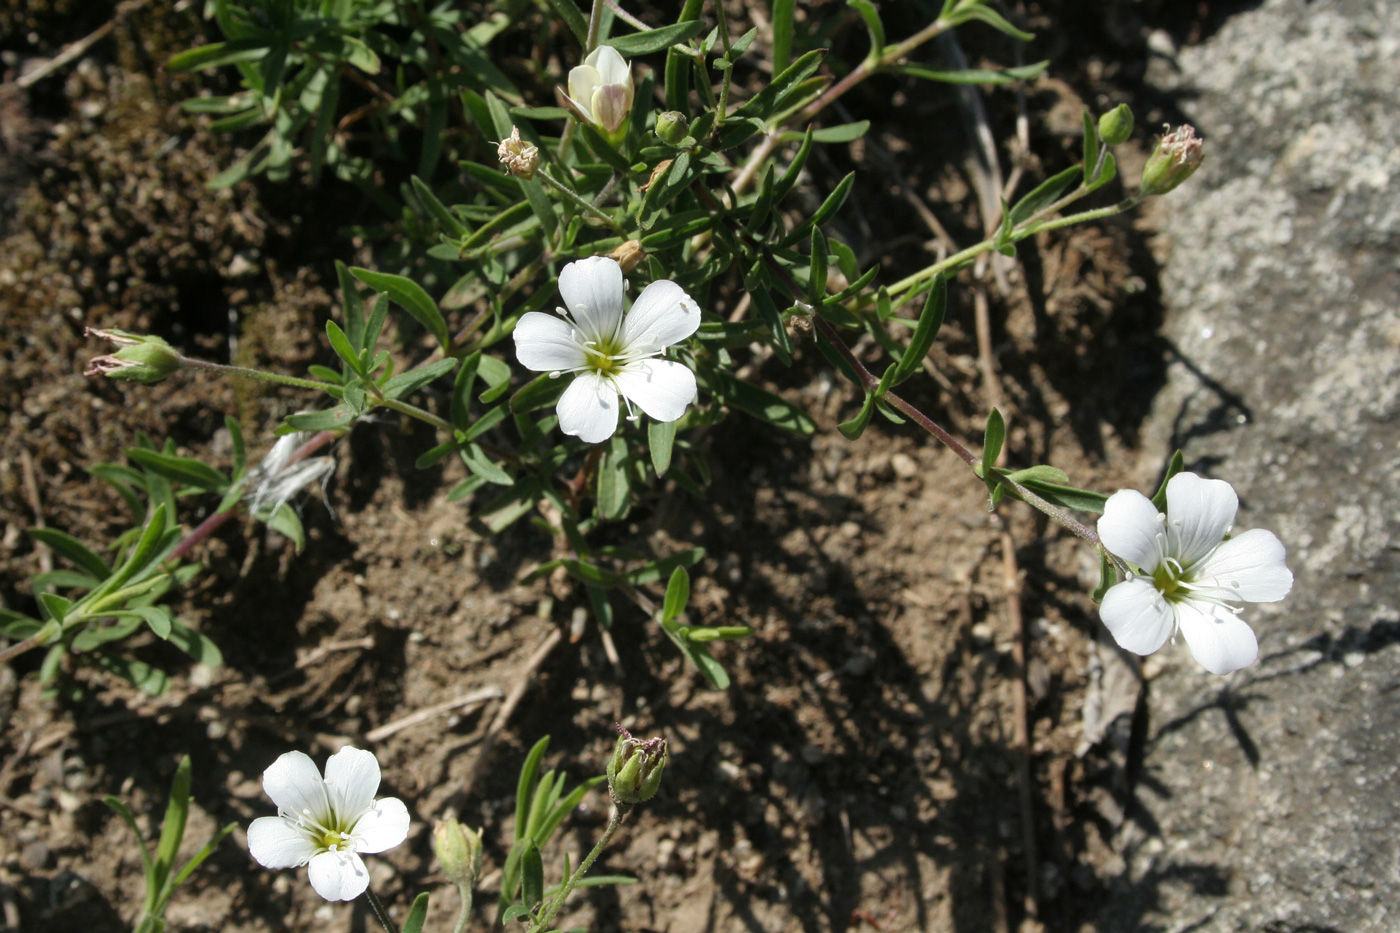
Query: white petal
546, 344
610, 106
588, 408
1218, 640
383, 827
339, 876
354, 774
277, 843
592, 289
1129, 528
663, 314
294, 784
1137, 616
1249, 567
612, 67
1199, 515
583, 80
660, 388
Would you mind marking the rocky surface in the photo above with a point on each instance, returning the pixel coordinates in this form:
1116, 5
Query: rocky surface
1267, 801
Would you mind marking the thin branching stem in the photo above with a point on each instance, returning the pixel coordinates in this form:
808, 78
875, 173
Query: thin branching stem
545, 919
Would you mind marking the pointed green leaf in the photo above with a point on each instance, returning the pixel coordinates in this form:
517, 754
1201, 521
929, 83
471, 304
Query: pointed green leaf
677, 594
992, 442
654, 40
1045, 194
930, 320
871, 15
661, 436
181, 469
856, 426
410, 296
413, 380
417, 914
123, 811
172, 829
1174, 466
72, 550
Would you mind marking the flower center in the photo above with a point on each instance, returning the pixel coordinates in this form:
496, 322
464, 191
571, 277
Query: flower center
1170, 580
605, 357
333, 841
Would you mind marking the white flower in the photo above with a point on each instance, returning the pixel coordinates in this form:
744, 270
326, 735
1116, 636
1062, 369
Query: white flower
601, 88
1189, 573
279, 478
610, 352
327, 823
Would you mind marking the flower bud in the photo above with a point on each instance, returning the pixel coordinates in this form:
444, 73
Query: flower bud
140, 359
634, 773
519, 157
671, 126
601, 91
628, 255
458, 851
1176, 158
1116, 126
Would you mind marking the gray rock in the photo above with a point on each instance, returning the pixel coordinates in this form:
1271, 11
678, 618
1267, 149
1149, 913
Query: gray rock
1268, 801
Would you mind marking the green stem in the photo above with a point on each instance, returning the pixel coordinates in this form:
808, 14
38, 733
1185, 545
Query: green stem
380, 913
722, 25
595, 22
579, 202
545, 919
464, 916
923, 275
870, 381
413, 411
279, 378
1026, 228
1126, 204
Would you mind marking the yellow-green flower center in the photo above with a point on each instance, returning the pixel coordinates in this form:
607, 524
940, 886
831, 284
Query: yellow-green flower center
603, 357
1170, 582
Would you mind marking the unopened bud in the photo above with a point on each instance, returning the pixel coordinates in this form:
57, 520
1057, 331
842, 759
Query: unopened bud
1176, 158
519, 157
628, 255
634, 773
1116, 126
671, 126
140, 359
458, 851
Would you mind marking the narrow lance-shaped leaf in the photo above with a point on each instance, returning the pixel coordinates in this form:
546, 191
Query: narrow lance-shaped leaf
410, 296
654, 40
992, 442
930, 320
661, 436
871, 15
782, 34
1043, 195
172, 830
73, 550
677, 594
1174, 466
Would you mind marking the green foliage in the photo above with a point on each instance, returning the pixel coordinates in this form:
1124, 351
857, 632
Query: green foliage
159, 869
540, 807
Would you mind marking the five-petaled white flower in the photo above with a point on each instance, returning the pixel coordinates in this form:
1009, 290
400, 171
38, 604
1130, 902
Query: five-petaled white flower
327, 822
601, 89
611, 353
1188, 572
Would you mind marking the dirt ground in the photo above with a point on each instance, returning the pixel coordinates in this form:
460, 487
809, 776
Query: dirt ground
866, 767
